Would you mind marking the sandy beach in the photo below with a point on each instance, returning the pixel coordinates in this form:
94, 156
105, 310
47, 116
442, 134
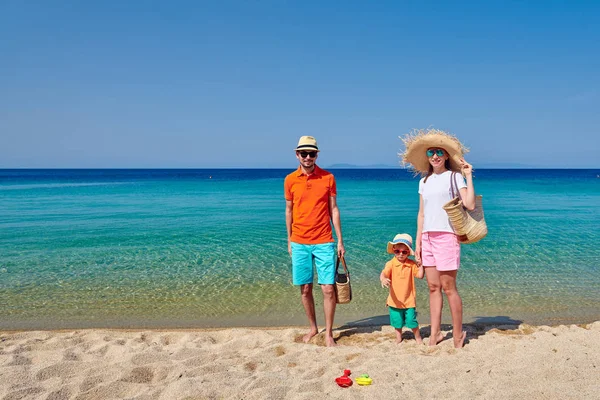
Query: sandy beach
497, 362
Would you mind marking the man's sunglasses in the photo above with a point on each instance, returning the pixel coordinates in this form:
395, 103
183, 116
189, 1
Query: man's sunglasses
305, 154
396, 251
431, 152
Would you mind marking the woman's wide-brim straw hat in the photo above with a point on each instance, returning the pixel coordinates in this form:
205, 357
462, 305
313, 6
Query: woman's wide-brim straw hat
418, 141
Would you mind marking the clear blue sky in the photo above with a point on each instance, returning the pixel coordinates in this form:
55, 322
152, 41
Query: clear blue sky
235, 83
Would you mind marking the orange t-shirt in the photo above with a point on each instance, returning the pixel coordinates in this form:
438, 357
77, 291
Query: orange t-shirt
309, 194
403, 293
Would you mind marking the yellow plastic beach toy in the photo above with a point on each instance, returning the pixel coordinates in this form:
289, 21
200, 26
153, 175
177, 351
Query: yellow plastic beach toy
364, 380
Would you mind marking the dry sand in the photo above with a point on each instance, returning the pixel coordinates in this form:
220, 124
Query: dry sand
497, 363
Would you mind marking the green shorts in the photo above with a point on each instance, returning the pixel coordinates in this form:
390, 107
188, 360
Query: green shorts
400, 317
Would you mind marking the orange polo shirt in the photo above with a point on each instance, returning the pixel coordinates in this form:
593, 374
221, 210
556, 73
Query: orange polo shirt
403, 293
311, 220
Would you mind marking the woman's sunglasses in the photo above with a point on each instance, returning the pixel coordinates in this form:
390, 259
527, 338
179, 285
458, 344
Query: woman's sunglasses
305, 154
431, 152
396, 251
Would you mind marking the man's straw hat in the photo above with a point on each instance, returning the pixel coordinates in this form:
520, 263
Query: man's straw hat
307, 143
418, 141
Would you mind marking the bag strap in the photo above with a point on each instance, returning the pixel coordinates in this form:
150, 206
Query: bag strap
337, 264
454, 186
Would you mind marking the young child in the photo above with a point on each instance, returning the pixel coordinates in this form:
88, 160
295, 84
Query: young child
400, 272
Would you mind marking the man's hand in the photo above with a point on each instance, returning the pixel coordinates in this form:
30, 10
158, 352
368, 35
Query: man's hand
341, 250
290, 247
385, 282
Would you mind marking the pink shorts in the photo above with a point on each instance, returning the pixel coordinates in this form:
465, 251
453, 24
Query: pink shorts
440, 249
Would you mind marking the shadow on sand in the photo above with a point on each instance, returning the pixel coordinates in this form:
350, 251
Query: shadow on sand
480, 326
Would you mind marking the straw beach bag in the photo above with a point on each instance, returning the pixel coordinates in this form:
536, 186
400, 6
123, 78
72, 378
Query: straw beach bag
469, 226
343, 290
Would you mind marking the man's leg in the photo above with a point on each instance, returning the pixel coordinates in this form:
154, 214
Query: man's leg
329, 309
324, 255
309, 308
302, 275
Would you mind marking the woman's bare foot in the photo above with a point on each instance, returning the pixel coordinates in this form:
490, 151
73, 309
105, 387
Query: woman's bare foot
329, 342
459, 342
306, 338
435, 340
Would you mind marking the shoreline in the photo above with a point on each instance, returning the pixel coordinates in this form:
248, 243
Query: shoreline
498, 361
278, 322
473, 326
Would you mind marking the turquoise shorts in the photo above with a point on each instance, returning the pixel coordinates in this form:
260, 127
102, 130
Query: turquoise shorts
400, 317
303, 257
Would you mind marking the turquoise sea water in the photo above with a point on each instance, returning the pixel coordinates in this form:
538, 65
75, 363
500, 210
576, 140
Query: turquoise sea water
207, 248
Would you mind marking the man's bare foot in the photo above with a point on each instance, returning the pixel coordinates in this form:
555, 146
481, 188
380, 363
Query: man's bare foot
419, 340
459, 342
434, 341
306, 338
329, 342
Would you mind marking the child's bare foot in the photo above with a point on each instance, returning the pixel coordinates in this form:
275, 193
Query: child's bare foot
329, 342
459, 342
434, 340
417, 334
306, 338
398, 336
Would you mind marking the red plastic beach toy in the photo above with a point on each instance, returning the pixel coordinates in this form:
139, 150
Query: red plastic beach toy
343, 380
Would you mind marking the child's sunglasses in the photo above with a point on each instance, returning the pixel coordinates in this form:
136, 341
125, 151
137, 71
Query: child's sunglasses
396, 251
431, 152
305, 154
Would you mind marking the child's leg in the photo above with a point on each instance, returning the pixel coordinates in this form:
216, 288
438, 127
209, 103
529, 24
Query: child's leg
417, 334
398, 335
413, 324
397, 321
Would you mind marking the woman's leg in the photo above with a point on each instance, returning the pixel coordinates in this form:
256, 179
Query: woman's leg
448, 282
435, 304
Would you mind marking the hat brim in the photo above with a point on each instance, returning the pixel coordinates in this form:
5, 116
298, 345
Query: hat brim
390, 246
307, 148
418, 142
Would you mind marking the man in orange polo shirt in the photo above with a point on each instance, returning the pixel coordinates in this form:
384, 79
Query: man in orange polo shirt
310, 209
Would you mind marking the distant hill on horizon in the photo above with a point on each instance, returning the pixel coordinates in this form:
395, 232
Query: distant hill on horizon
478, 166
371, 166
